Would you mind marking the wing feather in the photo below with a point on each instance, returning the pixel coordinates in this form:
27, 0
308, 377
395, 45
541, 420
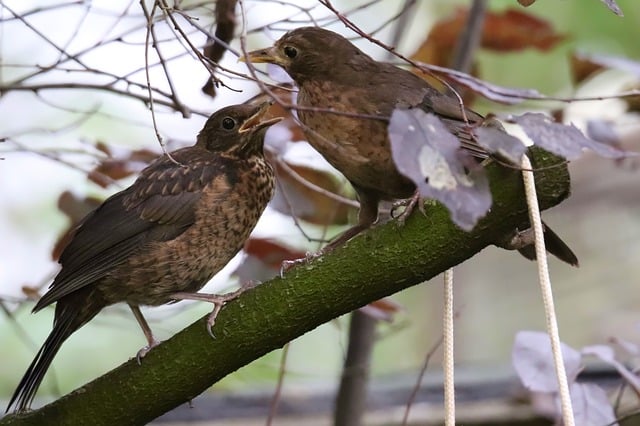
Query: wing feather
159, 206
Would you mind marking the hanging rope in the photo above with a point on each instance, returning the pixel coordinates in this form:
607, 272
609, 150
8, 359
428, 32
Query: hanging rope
547, 293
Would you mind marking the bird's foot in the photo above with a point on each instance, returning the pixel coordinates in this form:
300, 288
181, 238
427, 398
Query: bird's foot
145, 350
218, 301
409, 205
289, 264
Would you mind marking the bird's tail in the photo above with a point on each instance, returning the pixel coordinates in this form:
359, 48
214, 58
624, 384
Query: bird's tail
67, 321
554, 245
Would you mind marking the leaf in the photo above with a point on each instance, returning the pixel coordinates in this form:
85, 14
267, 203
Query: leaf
606, 354
75, 209
383, 309
304, 192
427, 153
564, 140
515, 30
111, 169
596, 61
630, 348
263, 259
591, 407
497, 141
603, 132
509, 31
613, 6
533, 361
582, 67
31, 292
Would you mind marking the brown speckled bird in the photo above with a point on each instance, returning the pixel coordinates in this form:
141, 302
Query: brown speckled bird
164, 237
331, 73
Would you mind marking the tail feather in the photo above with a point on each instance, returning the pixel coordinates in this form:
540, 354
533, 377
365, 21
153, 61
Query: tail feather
554, 245
28, 386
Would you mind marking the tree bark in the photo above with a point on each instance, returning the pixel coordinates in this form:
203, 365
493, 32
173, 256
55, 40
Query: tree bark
374, 265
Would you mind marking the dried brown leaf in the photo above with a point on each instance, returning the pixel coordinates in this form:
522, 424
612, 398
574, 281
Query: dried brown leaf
295, 196
383, 309
31, 293
511, 30
264, 259
75, 208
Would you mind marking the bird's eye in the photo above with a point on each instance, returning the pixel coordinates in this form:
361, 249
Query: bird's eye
228, 123
291, 52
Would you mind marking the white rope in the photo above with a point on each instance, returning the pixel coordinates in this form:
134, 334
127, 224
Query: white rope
547, 293
447, 362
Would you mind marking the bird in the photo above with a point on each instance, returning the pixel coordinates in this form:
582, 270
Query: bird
161, 239
361, 93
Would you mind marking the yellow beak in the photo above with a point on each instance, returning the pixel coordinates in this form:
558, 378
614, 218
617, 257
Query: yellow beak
257, 120
267, 55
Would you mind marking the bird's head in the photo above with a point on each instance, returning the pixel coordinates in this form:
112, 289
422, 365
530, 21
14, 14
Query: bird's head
237, 129
308, 53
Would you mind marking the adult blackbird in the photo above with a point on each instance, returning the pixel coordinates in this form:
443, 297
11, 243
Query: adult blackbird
331, 73
164, 237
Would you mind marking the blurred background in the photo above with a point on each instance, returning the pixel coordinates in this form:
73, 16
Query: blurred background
74, 128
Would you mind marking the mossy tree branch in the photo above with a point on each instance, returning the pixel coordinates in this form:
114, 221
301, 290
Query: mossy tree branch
376, 264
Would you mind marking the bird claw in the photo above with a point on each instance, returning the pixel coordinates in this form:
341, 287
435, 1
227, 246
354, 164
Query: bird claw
145, 350
409, 205
211, 319
218, 301
287, 265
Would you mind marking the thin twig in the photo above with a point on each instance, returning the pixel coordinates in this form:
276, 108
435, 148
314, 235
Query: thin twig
174, 93
275, 399
416, 388
149, 16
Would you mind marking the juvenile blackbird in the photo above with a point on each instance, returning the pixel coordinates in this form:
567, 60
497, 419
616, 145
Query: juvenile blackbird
331, 73
164, 237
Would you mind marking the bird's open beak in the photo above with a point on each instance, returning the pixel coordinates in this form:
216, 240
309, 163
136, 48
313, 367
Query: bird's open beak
267, 55
257, 121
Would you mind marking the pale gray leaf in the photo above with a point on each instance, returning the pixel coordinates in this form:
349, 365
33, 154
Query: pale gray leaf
564, 140
613, 6
497, 141
606, 354
427, 153
591, 406
533, 361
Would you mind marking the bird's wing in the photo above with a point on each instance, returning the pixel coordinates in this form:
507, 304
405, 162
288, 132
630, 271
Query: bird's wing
159, 206
411, 91
450, 111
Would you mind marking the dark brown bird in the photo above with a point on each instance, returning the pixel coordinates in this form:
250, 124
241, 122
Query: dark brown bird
164, 237
331, 73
